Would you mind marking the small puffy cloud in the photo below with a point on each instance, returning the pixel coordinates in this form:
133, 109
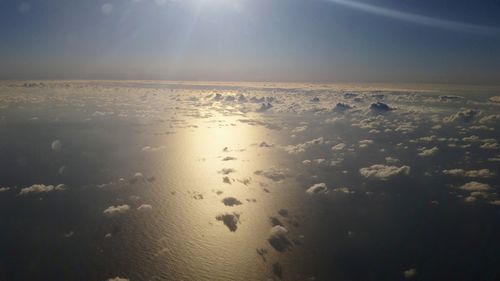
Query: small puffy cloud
391, 160
229, 220
341, 107
229, 158
490, 119
481, 173
278, 238
364, 143
226, 171
317, 188
4, 189
383, 172
231, 201
56, 145
41, 188
116, 210
380, 107
144, 208
472, 138
299, 129
489, 145
152, 148
338, 146
301, 147
410, 273
118, 279
275, 174
428, 151
475, 186
466, 115
495, 99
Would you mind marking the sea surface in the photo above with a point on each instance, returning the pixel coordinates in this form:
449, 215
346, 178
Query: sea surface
154, 180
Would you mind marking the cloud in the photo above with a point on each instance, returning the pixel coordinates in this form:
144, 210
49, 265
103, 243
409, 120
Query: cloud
144, 208
299, 129
116, 210
4, 189
465, 115
338, 146
118, 279
383, 172
481, 173
231, 201
277, 238
494, 99
275, 174
490, 119
56, 145
301, 147
317, 188
425, 152
226, 171
489, 145
410, 273
229, 220
152, 148
41, 188
380, 107
229, 158
365, 143
341, 107
391, 160
475, 186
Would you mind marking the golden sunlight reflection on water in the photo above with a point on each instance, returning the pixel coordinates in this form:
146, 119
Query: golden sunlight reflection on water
208, 249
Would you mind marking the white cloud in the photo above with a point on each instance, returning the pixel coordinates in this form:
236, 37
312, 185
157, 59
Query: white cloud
117, 279
317, 188
144, 207
4, 189
275, 174
383, 172
489, 145
495, 99
428, 151
116, 210
41, 188
391, 160
465, 115
475, 186
365, 142
481, 173
152, 148
490, 119
410, 273
301, 147
299, 129
56, 145
338, 146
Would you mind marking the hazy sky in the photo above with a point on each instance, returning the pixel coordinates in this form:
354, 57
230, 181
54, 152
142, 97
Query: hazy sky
252, 40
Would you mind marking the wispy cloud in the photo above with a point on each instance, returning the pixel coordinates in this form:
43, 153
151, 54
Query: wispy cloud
419, 19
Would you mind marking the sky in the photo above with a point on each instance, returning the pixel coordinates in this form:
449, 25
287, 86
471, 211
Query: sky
397, 41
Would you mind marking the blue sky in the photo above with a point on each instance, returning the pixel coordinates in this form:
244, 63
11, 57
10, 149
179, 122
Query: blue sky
438, 41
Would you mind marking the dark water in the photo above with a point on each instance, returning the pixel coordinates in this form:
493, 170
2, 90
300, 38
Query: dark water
164, 181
